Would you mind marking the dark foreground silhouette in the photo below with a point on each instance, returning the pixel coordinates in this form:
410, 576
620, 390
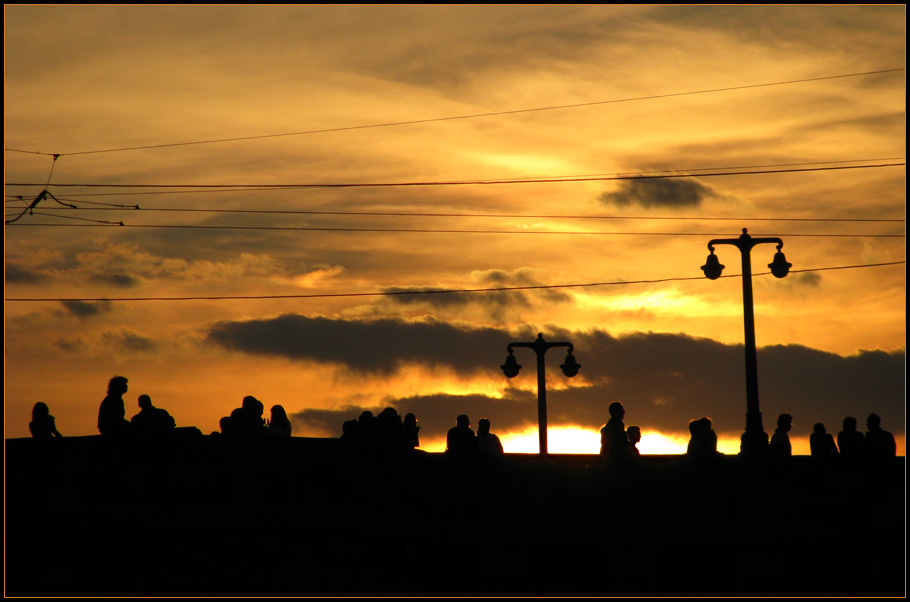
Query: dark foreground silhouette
208, 515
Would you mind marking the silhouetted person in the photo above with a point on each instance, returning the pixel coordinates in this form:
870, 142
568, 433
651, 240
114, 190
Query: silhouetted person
850, 441
411, 431
634, 434
349, 430
247, 421
487, 442
460, 440
389, 430
779, 446
702, 439
43, 425
224, 425
111, 414
279, 423
821, 444
152, 422
614, 442
367, 436
880, 443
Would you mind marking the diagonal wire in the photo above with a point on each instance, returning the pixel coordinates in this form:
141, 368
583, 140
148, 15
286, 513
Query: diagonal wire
475, 115
431, 291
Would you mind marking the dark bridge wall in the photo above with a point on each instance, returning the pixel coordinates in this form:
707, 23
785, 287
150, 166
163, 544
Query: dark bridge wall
202, 516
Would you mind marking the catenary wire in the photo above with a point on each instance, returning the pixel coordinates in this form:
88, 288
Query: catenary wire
528, 178
435, 231
471, 116
432, 291
115, 207
654, 172
466, 182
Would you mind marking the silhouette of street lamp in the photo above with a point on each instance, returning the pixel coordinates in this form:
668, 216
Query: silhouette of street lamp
569, 368
754, 440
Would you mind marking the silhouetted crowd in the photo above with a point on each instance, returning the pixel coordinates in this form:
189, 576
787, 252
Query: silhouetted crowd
247, 421
388, 431
618, 443
385, 432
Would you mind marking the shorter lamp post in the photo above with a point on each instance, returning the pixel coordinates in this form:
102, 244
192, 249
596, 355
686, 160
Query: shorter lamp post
754, 440
569, 368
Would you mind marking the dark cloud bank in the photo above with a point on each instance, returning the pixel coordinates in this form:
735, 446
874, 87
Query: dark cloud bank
662, 379
660, 193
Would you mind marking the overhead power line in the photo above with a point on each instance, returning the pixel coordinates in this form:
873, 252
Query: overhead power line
429, 291
112, 207
691, 171
470, 116
429, 230
468, 182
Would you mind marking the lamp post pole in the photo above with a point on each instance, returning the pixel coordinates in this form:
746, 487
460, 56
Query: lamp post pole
569, 368
754, 440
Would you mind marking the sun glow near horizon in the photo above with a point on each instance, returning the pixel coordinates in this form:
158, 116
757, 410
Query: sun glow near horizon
581, 440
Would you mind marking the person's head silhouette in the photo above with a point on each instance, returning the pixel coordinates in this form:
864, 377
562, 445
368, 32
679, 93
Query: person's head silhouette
483, 426
40, 411
819, 428
145, 401
117, 385
616, 410
634, 434
785, 422
873, 422
463, 421
849, 423
253, 406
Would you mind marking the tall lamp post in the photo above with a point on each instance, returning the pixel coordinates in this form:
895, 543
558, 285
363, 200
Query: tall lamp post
569, 368
754, 440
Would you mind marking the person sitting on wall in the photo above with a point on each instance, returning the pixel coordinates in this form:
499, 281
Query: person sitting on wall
821, 443
43, 425
487, 442
460, 440
111, 414
152, 422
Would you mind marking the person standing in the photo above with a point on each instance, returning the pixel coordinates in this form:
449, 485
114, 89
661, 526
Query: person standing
614, 442
634, 434
779, 446
411, 431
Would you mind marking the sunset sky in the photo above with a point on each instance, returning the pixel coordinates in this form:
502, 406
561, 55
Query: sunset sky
290, 178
